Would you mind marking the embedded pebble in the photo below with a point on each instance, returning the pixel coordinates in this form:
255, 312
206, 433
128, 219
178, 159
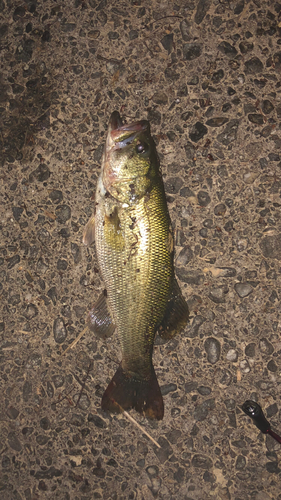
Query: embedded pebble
193, 330
203, 198
97, 421
197, 132
250, 350
265, 346
165, 389
253, 66
218, 294
271, 246
217, 122
232, 355
192, 276
243, 289
185, 256
59, 330
192, 51
63, 213
201, 461
201, 411
14, 441
213, 349
244, 365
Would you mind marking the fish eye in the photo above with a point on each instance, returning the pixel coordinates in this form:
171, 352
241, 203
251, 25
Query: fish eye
141, 148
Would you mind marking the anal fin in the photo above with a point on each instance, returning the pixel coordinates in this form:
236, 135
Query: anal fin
100, 320
176, 315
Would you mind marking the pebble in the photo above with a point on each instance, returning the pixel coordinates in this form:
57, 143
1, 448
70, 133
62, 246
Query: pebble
167, 42
220, 210
203, 198
34, 360
271, 246
17, 212
173, 185
76, 419
204, 391
230, 132
165, 389
12, 261
227, 49
26, 390
250, 350
272, 367
185, 28
160, 98
201, 461
243, 289
152, 470
217, 76
12, 413
246, 47
218, 294
59, 330
253, 66
240, 463
165, 451
192, 50
256, 118
267, 106
217, 122
41, 174
63, 213
14, 441
213, 349
185, 256
97, 421
48, 473
173, 436
232, 355
201, 11
81, 401
191, 276
201, 411
197, 132
244, 366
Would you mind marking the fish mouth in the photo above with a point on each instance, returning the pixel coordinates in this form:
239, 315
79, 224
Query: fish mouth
121, 134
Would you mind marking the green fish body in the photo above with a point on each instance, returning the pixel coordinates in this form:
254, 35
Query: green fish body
134, 242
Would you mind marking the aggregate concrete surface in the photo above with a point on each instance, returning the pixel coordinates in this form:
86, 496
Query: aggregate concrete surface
206, 74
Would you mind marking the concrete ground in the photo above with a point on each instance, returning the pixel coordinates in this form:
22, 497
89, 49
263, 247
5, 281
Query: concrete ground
206, 74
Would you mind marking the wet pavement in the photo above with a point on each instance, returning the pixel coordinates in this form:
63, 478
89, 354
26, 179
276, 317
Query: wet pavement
206, 74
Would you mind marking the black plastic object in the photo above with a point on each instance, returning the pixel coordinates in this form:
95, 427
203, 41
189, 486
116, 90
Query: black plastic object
253, 410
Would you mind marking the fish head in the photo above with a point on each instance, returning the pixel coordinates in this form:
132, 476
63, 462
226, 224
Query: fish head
130, 161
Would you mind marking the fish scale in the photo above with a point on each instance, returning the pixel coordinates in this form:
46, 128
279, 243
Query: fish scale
137, 278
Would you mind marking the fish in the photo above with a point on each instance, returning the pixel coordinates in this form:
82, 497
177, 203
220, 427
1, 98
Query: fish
133, 236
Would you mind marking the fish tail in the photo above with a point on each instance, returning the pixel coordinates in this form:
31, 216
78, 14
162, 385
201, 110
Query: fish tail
128, 390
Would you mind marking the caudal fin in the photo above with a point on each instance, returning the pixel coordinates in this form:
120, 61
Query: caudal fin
126, 390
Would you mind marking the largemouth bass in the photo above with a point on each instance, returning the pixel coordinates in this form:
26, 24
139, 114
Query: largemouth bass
134, 243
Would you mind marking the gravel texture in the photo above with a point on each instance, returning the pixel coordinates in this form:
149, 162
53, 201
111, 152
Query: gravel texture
206, 73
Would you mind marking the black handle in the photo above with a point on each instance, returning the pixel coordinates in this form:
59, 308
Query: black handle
253, 410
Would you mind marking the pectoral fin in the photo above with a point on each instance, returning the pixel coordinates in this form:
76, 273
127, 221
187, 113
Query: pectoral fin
100, 320
176, 315
89, 231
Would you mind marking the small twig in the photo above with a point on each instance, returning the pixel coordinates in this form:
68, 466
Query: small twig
76, 340
141, 428
59, 400
84, 382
